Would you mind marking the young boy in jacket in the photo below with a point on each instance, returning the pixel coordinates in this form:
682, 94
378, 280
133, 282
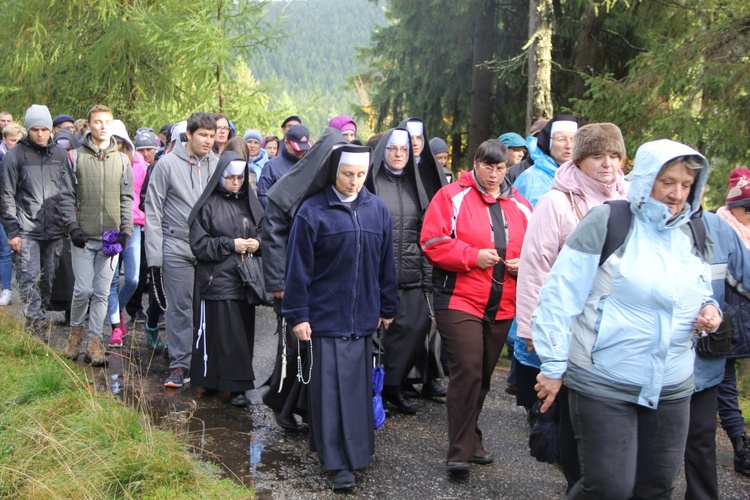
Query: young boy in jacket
104, 203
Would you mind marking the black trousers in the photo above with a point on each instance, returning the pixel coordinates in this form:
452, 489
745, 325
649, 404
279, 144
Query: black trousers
700, 453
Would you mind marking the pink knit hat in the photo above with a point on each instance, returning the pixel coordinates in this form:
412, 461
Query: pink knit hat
738, 194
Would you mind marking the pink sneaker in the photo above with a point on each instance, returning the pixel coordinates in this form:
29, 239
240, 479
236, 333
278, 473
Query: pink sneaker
116, 339
123, 326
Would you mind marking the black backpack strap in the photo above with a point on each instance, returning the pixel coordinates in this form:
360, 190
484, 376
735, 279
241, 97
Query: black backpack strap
698, 229
618, 227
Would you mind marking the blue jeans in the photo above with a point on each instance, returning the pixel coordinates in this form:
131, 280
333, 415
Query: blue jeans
6, 263
130, 260
626, 450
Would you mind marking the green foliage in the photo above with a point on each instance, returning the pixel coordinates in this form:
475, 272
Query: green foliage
691, 85
60, 438
150, 61
311, 66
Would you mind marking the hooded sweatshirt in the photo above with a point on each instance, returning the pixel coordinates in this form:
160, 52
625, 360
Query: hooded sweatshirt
623, 330
176, 182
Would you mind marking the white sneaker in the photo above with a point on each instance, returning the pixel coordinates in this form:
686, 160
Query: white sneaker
5, 297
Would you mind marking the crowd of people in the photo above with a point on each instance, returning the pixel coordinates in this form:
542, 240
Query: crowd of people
622, 302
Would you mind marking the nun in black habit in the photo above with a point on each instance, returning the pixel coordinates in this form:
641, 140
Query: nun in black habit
286, 395
340, 285
225, 226
395, 178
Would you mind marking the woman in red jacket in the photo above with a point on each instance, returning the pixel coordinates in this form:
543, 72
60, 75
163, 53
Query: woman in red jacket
472, 233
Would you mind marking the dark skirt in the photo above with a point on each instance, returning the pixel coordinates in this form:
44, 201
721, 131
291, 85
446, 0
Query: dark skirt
62, 286
341, 421
228, 344
286, 395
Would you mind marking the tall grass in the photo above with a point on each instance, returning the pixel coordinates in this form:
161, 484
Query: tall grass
62, 438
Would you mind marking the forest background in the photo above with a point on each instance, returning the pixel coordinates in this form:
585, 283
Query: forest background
660, 68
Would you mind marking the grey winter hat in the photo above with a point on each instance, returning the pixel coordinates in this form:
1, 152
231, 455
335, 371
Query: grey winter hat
437, 145
254, 135
145, 138
38, 115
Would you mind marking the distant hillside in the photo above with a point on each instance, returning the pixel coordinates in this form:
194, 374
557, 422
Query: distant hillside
316, 58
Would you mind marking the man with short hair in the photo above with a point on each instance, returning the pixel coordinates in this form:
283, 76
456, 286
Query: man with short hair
288, 122
5, 119
64, 122
11, 134
554, 147
175, 184
37, 205
101, 227
296, 145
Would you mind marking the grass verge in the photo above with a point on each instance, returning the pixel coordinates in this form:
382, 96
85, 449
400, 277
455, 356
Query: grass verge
60, 438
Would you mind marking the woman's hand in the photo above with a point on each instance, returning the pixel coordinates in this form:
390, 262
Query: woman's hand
302, 331
386, 322
511, 265
487, 258
529, 345
246, 245
708, 319
547, 389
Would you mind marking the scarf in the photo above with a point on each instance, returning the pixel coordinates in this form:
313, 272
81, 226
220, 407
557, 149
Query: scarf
740, 228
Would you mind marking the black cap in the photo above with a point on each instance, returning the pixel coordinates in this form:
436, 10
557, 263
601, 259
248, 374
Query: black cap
62, 119
290, 119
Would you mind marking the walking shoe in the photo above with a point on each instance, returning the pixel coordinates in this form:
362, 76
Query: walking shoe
152, 336
400, 403
742, 454
95, 353
123, 325
5, 296
178, 378
116, 339
408, 391
341, 480
238, 399
483, 457
433, 389
73, 345
457, 468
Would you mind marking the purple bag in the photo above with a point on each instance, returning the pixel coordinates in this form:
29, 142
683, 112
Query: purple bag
110, 245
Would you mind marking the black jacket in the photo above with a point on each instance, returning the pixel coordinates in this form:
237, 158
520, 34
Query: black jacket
36, 186
217, 219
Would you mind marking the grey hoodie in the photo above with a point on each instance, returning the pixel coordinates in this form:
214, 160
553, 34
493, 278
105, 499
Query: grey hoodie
177, 180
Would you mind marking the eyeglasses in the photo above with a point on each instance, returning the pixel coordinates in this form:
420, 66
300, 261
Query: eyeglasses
223, 129
500, 169
563, 140
235, 178
398, 149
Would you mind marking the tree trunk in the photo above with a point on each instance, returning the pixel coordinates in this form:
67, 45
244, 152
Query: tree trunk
485, 33
586, 49
539, 102
218, 65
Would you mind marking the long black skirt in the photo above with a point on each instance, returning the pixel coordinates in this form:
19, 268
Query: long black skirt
227, 345
286, 395
341, 419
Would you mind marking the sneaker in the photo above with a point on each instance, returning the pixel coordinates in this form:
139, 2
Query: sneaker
5, 297
178, 378
152, 336
116, 339
123, 325
742, 454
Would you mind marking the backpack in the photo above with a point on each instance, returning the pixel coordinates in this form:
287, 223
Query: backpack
618, 227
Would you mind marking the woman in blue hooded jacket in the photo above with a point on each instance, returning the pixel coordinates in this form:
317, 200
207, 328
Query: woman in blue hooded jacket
622, 337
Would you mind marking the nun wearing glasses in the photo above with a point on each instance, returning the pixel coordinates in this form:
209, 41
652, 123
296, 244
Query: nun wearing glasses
340, 286
225, 226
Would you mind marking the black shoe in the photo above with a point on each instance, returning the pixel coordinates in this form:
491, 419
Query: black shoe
433, 389
510, 389
483, 457
408, 391
742, 454
287, 422
457, 467
238, 399
341, 480
400, 403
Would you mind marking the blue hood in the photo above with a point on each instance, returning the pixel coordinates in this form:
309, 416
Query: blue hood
649, 159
